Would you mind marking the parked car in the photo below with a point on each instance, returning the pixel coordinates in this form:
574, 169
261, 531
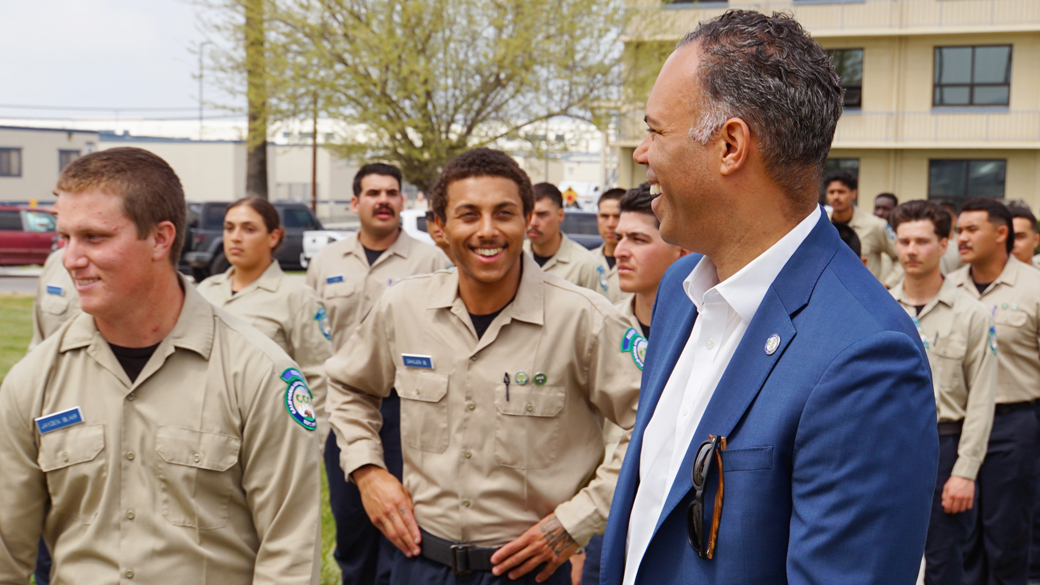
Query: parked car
315, 240
27, 235
204, 237
580, 226
414, 223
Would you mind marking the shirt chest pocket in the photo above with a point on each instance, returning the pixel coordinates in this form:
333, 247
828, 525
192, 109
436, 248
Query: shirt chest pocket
54, 304
1009, 318
947, 371
424, 410
527, 425
195, 476
76, 470
337, 290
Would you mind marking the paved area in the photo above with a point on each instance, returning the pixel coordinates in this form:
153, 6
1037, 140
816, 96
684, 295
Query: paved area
18, 284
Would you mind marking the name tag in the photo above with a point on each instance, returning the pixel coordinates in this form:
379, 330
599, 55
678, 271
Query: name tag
334, 279
53, 289
59, 420
417, 361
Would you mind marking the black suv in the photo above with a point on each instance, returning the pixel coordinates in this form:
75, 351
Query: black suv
204, 237
581, 226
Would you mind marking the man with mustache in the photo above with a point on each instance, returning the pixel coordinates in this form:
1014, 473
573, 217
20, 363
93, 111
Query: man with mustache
505, 374
553, 250
1007, 480
956, 332
350, 275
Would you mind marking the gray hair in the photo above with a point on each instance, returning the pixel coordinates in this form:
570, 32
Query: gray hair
771, 74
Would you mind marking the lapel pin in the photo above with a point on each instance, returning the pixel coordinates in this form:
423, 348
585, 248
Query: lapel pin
772, 344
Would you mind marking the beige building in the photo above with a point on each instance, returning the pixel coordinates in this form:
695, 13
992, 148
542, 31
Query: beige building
32, 158
942, 96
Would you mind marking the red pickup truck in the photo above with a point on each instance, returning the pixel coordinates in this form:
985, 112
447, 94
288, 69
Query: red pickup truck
27, 235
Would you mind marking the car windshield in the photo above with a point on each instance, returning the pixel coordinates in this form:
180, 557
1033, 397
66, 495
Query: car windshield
39, 221
579, 223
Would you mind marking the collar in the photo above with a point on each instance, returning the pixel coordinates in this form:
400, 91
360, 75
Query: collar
269, 280
194, 329
947, 295
744, 290
402, 246
1008, 276
528, 305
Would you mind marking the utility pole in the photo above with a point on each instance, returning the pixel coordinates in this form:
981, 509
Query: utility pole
314, 158
202, 48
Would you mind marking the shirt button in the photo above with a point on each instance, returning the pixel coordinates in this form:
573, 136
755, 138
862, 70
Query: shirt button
685, 411
65, 457
130, 455
131, 396
472, 358
710, 344
130, 514
530, 407
467, 454
129, 574
197, 458
471, 405
465, 503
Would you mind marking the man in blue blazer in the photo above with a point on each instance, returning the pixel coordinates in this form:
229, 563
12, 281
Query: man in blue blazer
786, 429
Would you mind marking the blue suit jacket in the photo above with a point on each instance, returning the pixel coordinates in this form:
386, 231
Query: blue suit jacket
832, 441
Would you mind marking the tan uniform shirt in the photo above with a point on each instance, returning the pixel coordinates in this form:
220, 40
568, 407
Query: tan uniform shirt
875, 239
955, 330
1013, 300
612, 434
573, 263
349, 287
56, 299
613, 290
194, 473
1036, 261
291, 315
485, 460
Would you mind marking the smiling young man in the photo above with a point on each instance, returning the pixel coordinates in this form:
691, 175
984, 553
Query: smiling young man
350, 275
1007, 480
553, 251
153, 437
505, 374
608, 214
955, 330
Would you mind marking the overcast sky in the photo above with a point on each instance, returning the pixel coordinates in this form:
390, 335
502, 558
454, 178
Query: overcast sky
102, 54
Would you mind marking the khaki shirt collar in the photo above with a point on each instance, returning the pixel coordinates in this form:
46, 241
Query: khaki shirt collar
565, 254
402, 246
1008, 276
858, 218
947, 295
528, 305
270, 280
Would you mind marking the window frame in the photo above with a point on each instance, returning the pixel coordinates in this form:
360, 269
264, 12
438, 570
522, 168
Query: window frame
862, 52
936, 85
21, 170
64, 151
967, 177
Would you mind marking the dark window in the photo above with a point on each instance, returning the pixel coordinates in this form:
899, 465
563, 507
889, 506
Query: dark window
580, 223
959, 180
65, 158
972, 76
420, 223
296, 218
849, 65
11, 221
213, 216
10, 162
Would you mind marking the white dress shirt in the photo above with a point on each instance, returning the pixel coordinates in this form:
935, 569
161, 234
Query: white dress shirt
724, 311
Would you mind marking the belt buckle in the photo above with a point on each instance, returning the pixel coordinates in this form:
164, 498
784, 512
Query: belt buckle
454, 555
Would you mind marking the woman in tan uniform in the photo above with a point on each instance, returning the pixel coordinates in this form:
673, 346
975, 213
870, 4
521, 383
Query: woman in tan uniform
256, 289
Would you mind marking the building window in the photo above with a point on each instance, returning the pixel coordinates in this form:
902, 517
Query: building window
972, 76
10, 162
65, 158
849, 65
957, 181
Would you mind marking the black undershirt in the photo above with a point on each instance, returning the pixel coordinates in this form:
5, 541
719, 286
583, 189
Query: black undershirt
133, 359
919, 308
373, 255
645, 328
541, 260
611, 261
482, 322
982, 286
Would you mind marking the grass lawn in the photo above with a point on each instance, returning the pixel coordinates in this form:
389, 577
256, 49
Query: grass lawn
15, 333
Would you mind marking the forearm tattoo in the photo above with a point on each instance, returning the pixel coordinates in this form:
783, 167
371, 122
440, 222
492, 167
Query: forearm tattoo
556, 535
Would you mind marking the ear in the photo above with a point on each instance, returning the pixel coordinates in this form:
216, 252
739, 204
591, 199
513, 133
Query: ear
735, 137
943, 244
275, 237
1002, 233
683, 252
437, 221
163, 236
559, 213
354, 203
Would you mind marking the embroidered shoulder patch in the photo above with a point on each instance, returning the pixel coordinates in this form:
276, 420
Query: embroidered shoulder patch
323, 322
993, 339
299, 402
602, 277
635, 344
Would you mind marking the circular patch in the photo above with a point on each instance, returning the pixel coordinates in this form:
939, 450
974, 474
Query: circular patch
993, 339
300, 404
521, 378
602, 277
639, 351
539, 379
323, 322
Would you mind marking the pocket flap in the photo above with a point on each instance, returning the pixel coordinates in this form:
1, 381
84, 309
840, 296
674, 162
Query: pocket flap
421, 386
199, 449
530, 400
952, 348
53, 304
70, 446
338, 289
747, 459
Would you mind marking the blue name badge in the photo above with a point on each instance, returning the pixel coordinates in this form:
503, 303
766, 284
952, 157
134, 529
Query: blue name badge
417, 361
334, 279
53, 289
59, 420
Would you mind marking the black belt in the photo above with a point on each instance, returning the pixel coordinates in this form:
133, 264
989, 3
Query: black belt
463, 559
1011, 406
949, 429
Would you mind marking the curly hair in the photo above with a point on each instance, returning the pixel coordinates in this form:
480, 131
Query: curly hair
480, 162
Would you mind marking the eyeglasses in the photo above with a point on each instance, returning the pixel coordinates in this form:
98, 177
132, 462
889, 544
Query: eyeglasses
712, 448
